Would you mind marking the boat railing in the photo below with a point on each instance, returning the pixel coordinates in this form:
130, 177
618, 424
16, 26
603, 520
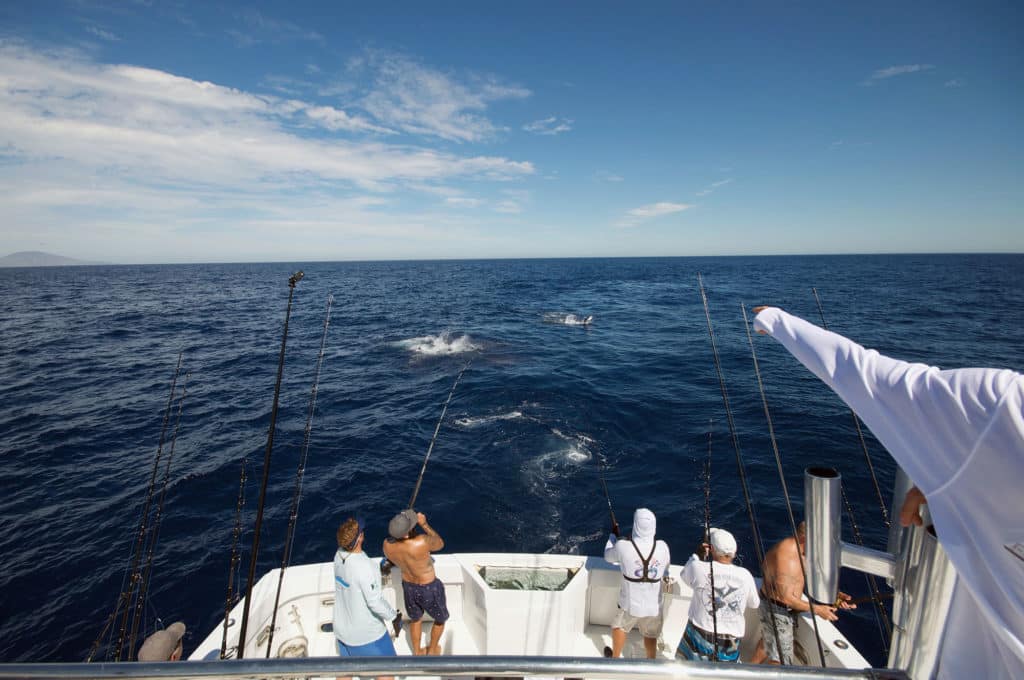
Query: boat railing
436, 666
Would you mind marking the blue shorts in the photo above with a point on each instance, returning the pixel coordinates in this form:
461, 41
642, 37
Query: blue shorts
379, 647
430, 597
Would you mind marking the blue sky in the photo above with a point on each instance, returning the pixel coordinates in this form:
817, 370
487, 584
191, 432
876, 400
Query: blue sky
156, 131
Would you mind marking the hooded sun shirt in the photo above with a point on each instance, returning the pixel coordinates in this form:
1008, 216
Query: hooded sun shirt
640, 598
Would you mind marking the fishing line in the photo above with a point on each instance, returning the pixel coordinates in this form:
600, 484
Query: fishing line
782, 480
707, 534
881, 615
296, 497
131, 572
155, 530
860, 432
416, 490
758, 545
600, 470
292, 280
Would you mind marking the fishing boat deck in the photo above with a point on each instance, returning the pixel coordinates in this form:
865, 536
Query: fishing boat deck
493, 619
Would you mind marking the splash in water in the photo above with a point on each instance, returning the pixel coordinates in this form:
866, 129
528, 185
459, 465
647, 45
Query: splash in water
568, 319
439, 345
477, 421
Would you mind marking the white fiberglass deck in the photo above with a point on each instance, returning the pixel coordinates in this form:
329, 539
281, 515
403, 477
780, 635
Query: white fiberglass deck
574, 621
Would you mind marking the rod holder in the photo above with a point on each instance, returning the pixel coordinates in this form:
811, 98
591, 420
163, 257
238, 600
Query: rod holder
924, 584
822, 495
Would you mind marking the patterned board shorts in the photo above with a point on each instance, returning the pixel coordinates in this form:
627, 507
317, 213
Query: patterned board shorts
430, 598
785, 621
694, 646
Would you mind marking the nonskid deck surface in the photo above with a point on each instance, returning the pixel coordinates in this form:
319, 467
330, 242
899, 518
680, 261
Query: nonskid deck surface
572, 622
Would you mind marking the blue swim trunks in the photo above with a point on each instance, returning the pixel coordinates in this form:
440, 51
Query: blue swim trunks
379, 647
430, 597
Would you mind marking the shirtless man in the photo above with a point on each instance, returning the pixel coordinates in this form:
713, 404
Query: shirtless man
420, 586
782, 599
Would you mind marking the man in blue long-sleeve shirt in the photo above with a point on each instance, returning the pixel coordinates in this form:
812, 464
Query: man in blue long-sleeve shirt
360, 610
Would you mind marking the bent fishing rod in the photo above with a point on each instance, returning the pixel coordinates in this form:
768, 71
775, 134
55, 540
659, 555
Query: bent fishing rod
419, 480
292, 280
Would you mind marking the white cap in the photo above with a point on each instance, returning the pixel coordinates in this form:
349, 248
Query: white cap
644, 523
722, 542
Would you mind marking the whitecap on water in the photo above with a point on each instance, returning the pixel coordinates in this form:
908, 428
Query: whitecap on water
476, 421
439, 345
568, 319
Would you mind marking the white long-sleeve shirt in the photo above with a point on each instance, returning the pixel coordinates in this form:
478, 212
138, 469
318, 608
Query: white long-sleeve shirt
959, 435
360, 610
639, 599
735, 590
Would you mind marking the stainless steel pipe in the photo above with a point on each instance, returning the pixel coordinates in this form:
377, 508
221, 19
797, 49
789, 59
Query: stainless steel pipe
822, 494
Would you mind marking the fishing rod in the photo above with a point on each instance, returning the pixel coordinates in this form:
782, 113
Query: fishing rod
236, 557
881, 615
860, 432
293, 514
292, 280
416, 490
707, 534
155, 529
615, 525
128, 587
782, 479
758, 545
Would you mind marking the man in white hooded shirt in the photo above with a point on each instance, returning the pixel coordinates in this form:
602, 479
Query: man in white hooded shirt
959, 435
643, 561
722, 591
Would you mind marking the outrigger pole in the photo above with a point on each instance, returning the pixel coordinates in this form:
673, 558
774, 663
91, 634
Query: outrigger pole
419, 480
293, 515
295, 278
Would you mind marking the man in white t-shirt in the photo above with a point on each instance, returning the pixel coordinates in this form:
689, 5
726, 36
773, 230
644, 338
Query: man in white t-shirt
722, 592
643, 562
959, 435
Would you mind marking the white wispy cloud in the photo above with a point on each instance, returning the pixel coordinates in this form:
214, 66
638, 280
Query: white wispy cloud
98, 155
549, 126
648, 212
714, 185
605, 176
955, 82
463, 201
102, 33
893, 71
414, 98
259, 28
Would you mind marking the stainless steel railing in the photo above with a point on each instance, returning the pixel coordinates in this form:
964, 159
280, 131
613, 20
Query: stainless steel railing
444, 666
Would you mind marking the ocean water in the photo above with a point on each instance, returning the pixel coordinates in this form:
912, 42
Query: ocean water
89, 352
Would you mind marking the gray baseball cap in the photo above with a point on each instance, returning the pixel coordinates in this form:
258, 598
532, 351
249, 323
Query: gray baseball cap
160, 645
402, 523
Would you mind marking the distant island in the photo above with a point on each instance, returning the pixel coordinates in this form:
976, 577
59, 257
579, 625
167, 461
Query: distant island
37, 258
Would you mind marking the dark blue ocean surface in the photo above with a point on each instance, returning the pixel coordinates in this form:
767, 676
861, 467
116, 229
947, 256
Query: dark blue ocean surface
89, 352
